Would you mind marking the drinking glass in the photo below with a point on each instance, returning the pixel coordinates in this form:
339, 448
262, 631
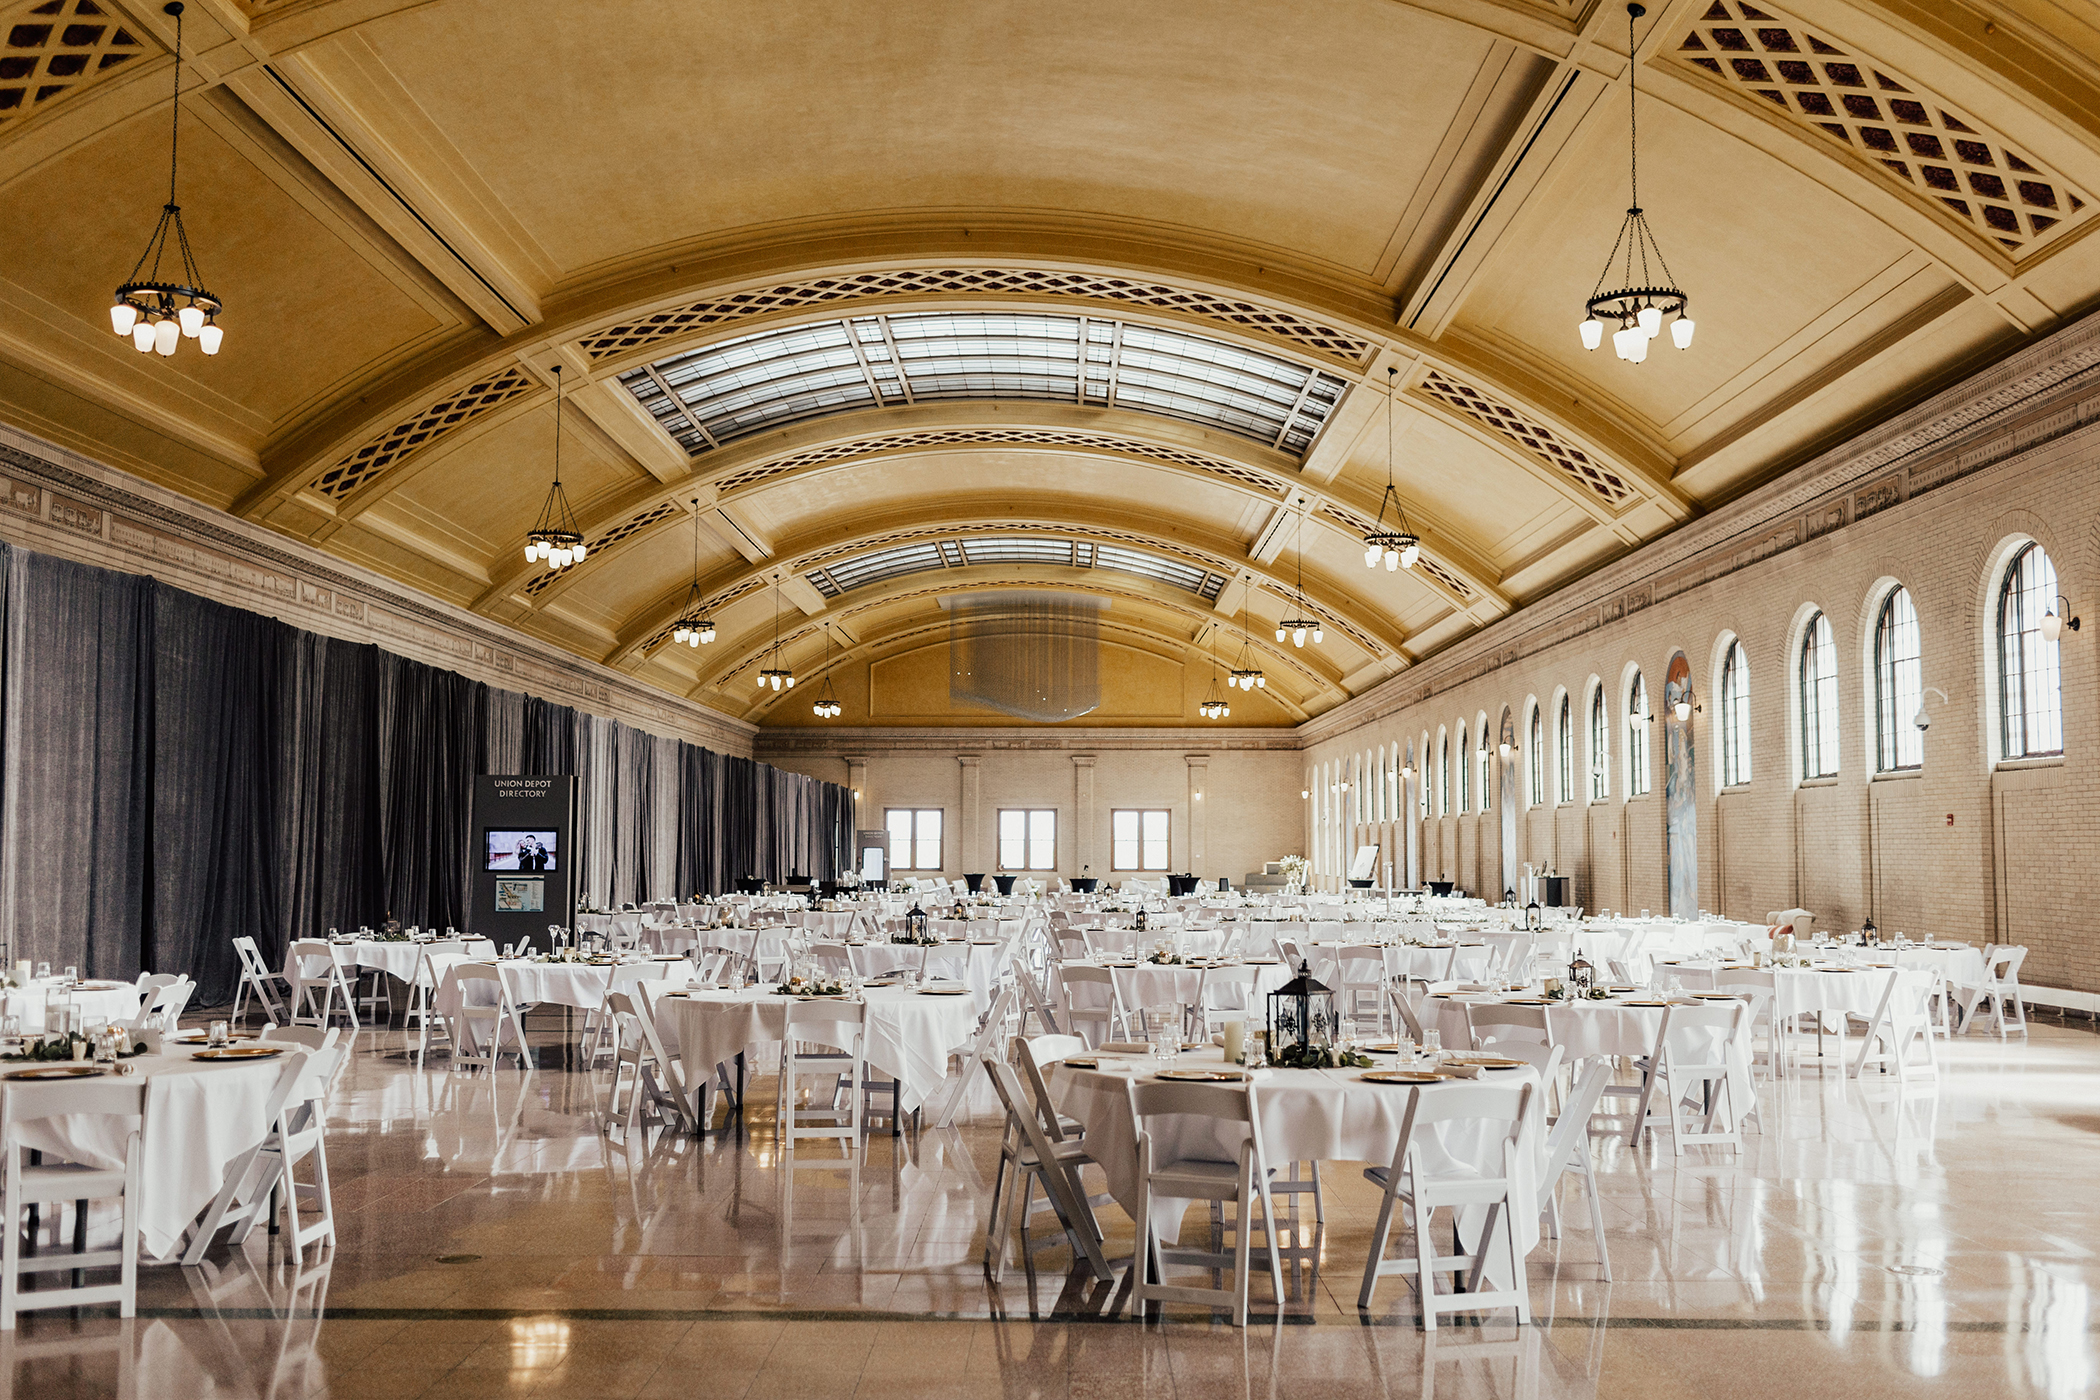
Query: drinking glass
43, 971
72, 975
1432, 1043
219, 1034
1166, 1036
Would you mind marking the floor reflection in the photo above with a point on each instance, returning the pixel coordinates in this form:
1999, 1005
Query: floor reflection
493, 1238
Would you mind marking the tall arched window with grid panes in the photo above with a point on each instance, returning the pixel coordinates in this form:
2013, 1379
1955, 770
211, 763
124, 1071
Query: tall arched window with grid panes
1638, 720
1443, 777
1535, 756
1899, 684
1600, 747
1819, 700
1465, 772
1734, 717
2030, 684
1564, 749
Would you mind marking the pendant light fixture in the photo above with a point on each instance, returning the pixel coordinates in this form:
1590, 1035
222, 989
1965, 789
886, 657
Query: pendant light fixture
555, 538
1649, 294
827, 706
1398, 547
776, 676
694, 626
158, 316
1214, 706
1246, 675
1300, 627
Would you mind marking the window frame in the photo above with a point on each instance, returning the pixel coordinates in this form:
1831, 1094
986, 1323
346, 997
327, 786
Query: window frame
1166, 840
1564, 742
1734, 716
1600, 746
1465, 772
1029, 839
940, 838
1899, 746
1817, 696
1535, 755
2015, 706
1639, 777
1443, 768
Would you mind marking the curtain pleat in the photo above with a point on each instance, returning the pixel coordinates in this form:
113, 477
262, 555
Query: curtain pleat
175, 773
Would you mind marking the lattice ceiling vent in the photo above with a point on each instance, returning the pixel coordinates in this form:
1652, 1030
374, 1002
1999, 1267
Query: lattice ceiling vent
57, 47
1882, 117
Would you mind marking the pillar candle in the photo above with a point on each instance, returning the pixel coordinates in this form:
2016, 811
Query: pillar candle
1235, 1041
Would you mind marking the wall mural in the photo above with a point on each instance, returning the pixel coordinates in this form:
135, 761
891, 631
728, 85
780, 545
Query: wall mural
1680, 791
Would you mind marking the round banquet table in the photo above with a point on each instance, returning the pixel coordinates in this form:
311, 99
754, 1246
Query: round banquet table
1315, 1115
100, 1003
1961, 964
398, 960
200, 1115
978, 961
909, 1033
1181, 984
581, 985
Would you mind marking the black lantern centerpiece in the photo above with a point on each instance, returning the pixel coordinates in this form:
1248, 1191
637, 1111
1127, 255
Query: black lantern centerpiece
1868, 933
1141, 916
1534, 917
915, 927
1302, 1022
1582, 976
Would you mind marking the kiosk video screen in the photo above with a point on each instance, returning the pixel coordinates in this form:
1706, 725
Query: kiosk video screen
521, 850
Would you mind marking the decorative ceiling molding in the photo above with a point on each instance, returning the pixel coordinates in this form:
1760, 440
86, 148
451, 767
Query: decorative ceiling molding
1356, 524
383, 452
51, 49
1293, 331
1536, 439
1886, 122
618, 534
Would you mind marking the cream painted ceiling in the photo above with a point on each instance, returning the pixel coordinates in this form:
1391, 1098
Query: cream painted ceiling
415, 211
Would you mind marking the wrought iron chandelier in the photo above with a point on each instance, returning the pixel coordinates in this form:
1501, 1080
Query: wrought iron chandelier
1398, 547
1300, 627
158, 315
1649, 294
555, 537
776, 675
827, 706
1245, 674
1213, 706
694, 626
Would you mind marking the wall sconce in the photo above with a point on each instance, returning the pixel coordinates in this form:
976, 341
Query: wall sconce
2054, 622
1307, 794
1687, 705
1199, 797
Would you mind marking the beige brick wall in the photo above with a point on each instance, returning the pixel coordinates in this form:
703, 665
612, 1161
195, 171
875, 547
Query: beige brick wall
1965, 847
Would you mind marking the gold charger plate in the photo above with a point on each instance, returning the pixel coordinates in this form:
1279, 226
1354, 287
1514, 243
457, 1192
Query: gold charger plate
100, 986
1527, 1001
1399, 1076
1389, 1047
1717, 996
1205, 1076
241, 1052
1487, 1061
59, 1072
1077, 1062
204, 1037
944, 991
1644, 1003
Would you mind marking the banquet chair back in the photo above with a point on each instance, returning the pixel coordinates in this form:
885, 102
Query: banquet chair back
1502, 1026
162, 996
313, 1039
1109, 942
1359, 985
311, 968
256, 978
1691, 1070
264, 1179
1227, 994
1409, 1021
1496, 1113
638, 1051
431, 961
836, 959
1028, 1158
1073, 945
2000, 990
49, 1183
1033, 1054
1164, 1172
1568, 1150
838, 1032
1091, 1002
1758, 987
1902, 1019
494, 1015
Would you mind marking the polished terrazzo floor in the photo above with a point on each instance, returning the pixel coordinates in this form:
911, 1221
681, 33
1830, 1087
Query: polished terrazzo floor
1873, 1240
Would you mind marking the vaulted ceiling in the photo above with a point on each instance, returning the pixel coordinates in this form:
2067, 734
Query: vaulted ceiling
861, 306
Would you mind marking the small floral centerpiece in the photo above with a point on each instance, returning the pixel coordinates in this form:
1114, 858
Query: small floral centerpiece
1165, 956
811, 985
1294, 870
1598, 994
1318, 1057
848, 881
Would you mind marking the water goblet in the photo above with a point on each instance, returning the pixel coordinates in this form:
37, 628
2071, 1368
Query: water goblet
219, 1034
72, 975
43, 971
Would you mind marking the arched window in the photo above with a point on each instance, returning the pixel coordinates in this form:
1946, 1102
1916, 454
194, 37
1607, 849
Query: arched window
1535, 755
1819, 701
1735, 717
1443, 773
1637, 721
2030, 687
1564, 749
1899, 684
1465, 772
1487, 768
1600, 784
1422, 777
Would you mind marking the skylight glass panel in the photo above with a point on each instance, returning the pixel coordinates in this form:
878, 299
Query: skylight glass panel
755, 382
885, 564
1131, 561
1057, 553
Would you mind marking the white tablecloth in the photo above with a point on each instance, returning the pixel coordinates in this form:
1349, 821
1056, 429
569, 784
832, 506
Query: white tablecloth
1318, 1115
977, 962
909, 1034
561, 984
1962, 966
399, 959
199, 1117
100, 1002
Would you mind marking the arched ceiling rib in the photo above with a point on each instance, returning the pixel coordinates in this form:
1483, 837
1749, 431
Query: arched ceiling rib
1863, 197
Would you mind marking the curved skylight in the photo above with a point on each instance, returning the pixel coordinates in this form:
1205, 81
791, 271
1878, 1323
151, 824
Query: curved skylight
734, 388
881, 565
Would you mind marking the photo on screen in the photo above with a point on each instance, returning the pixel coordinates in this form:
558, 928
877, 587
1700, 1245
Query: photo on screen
521, 896
520, 850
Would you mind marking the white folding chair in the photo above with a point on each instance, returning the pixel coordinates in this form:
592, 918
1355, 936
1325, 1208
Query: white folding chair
51, 1183
1901, 1020
1091, 1000
497, 1014
310, 967
1360, 985
433, 960
1024, 1148
158, 992
1405, 1015
1407, 1184
840, 1027
256, 978
1568, 1150
1757, 987
637, 1049
1692, 1072
261, 1178
1226, 994
2000, 990
1244, 1183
